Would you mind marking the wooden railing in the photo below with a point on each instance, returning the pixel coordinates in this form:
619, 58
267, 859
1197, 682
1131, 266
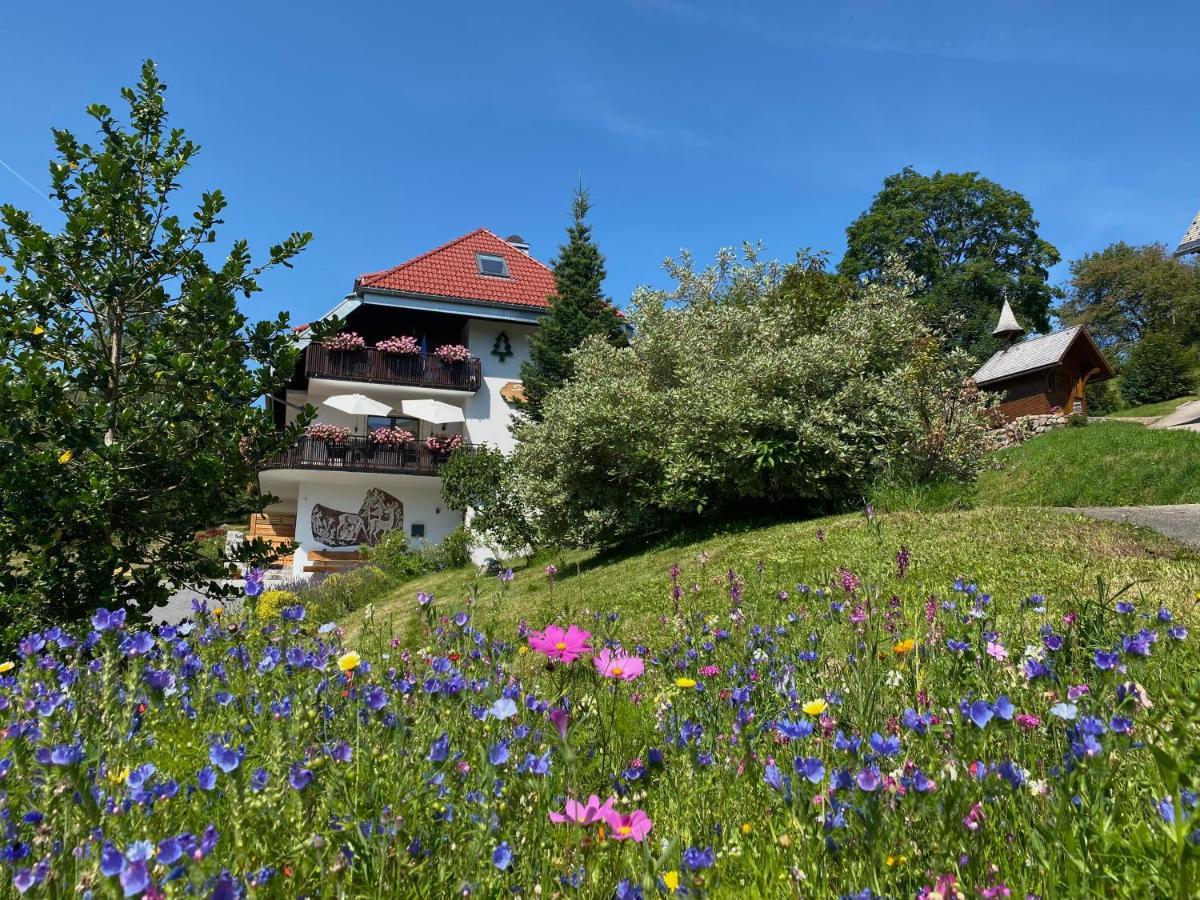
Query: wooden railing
377, 367
357, 454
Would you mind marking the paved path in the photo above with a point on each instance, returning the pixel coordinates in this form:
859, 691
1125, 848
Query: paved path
1184, 414
1180, 522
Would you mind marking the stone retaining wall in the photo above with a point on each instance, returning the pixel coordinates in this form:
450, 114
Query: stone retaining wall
1018, 431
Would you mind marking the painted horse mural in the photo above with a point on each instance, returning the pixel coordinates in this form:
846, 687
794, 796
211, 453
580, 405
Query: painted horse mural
379, 513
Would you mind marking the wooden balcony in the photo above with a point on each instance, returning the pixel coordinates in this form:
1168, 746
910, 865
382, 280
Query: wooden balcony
357, 453
377, 367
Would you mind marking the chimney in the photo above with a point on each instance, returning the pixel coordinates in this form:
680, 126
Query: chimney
515, 240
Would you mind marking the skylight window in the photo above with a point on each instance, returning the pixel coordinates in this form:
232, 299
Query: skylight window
490, 264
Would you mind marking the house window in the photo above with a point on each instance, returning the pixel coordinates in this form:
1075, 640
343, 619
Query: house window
418, 530
490, 264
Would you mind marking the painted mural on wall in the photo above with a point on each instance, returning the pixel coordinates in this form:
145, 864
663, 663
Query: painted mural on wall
380, 513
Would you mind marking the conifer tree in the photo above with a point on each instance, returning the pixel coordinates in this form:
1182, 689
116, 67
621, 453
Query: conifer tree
578, 310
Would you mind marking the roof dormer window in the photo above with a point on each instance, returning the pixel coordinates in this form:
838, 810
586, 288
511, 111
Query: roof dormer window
492, 265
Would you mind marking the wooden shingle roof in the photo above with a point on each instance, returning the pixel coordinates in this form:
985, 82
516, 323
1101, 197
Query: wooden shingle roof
1191, 239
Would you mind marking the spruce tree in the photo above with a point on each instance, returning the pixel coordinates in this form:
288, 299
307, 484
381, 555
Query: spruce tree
578, 310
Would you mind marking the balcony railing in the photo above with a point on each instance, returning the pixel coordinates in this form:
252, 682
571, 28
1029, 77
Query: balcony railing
357, 454
377, 367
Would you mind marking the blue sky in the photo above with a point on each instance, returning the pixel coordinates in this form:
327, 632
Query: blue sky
389, 128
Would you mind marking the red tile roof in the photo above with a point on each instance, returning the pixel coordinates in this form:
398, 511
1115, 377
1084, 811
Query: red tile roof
451, 270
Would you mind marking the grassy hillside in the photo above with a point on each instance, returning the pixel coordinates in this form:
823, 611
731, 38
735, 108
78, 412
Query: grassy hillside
1154, 409
1011, 553
1104, 464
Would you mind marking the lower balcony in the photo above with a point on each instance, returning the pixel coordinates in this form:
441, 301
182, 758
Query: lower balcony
358, 454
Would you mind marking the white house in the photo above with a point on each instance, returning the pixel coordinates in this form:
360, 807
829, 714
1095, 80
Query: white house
351, 480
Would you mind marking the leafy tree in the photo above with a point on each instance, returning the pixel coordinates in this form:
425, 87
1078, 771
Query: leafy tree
971, 241
127, 375
1122, 292
1159, 368
482, 481
578, 310
731, 396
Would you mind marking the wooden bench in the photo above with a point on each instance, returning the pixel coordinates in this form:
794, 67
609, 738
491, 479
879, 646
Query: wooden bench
334, 560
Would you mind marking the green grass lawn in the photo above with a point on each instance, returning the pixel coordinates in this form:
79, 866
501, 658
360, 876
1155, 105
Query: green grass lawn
1155, 409
1103, 464
1010, 552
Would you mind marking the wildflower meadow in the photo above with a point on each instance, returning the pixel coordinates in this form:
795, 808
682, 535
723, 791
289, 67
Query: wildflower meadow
847, 738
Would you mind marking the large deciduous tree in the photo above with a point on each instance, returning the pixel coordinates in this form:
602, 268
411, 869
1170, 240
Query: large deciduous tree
1123, 292
578, 310
971, 241
127, 374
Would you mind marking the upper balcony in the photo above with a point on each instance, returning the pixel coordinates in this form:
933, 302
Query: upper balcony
377, 367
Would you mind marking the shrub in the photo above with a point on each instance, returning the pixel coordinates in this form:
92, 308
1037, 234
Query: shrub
456, 548
1102, 398
334, 595
393, 555
483, 481
729, 394
1159, 368
271, 603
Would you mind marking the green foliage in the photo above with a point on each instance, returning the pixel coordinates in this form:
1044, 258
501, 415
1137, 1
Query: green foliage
393, 555
127, 374
1159, 368
1102, 398
1122, 292
335, 595
728, 396
271, 603
578, 310
455, 548
1105, 464
970, 241
483, 481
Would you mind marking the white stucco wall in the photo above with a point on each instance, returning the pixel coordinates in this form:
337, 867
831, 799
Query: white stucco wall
488, 415
420, 495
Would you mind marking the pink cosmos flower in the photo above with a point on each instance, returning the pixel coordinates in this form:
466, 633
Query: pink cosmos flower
618, 665
578, 813
996, 651
632, 827
561, 645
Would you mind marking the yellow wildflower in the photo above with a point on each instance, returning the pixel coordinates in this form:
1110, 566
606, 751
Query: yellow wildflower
523, 649
747, 828
815, 707
38, 329
7, 666
685, 682
897, 860
66, 456
348, 662
904, 646
671, 880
